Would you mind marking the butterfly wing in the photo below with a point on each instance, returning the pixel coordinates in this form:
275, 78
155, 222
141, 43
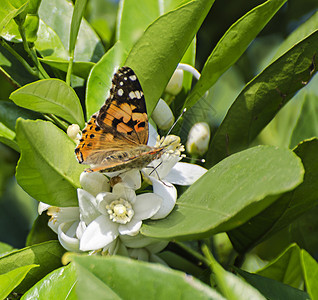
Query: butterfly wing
125, 109
119, 127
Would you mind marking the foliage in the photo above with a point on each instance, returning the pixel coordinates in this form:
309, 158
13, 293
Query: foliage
253, 209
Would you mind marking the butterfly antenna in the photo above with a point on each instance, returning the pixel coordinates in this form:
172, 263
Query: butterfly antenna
201, 160
176, 121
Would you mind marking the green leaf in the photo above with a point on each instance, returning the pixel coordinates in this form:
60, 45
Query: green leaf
40, 231
231, 286
88, 45
52, 96
286, 209
286, 268
171, 33
46, 255
263, 97
310, 268
10, 9
230, 193
5, 248
100, 78
273, 289
61, 281
298, 34
49, 44
307, 123
232, 45
9, 113
76, 22
12, 279
47, 169
103, 277
80, 68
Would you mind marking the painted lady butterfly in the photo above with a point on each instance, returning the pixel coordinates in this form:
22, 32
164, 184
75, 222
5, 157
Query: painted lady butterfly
116, 137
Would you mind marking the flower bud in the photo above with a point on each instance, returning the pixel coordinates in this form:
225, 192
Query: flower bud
162, 115
198, 139
73, 131
174, 86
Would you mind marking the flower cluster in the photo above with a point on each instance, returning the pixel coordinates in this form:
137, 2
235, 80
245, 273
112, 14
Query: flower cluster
112, 207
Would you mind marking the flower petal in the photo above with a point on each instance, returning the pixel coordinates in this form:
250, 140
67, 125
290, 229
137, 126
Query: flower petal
87, 205
66, 233
169, 195
98, 234
131, 228
103, 199
122, 190
42, 207
153, 135
185, 173
159, 168
94, 182
146, 205
132, 178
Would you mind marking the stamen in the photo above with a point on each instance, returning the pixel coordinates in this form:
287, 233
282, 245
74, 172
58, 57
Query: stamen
120, 211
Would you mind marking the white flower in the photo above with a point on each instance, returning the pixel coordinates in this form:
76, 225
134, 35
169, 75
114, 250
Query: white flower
112, 214
162, 115
174, 85
198, 138
65, 221
168, 170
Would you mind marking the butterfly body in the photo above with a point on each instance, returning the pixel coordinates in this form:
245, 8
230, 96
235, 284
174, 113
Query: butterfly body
116, 137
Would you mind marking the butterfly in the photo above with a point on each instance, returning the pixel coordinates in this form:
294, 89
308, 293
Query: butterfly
115, 138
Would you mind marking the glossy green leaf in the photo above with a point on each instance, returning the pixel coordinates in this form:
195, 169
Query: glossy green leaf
47, 169
263, 97
9, 113
286, 209
232, 45
60, 283
5, 248
231, 286
80, 68
12, 279
103, 277
303, 231
307, 123
10, 9
51, 96
40, 231
76, 22
46, 255
13, 71
88, 45
171, 33
298, 34
286, 268
230, 193
273, 289
100, 79
49, 44
310, 268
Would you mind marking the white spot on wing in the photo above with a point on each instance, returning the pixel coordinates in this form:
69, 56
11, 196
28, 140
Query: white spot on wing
121, 83
132, 77
132, 95
120, 92
125, 78
138, 94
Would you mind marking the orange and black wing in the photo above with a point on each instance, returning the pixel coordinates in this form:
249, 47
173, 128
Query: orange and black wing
125, 109
119, 126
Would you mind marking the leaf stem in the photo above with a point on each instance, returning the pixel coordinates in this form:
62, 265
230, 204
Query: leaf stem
56, 120
30, 51
5, 45
193, 253
70, 69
